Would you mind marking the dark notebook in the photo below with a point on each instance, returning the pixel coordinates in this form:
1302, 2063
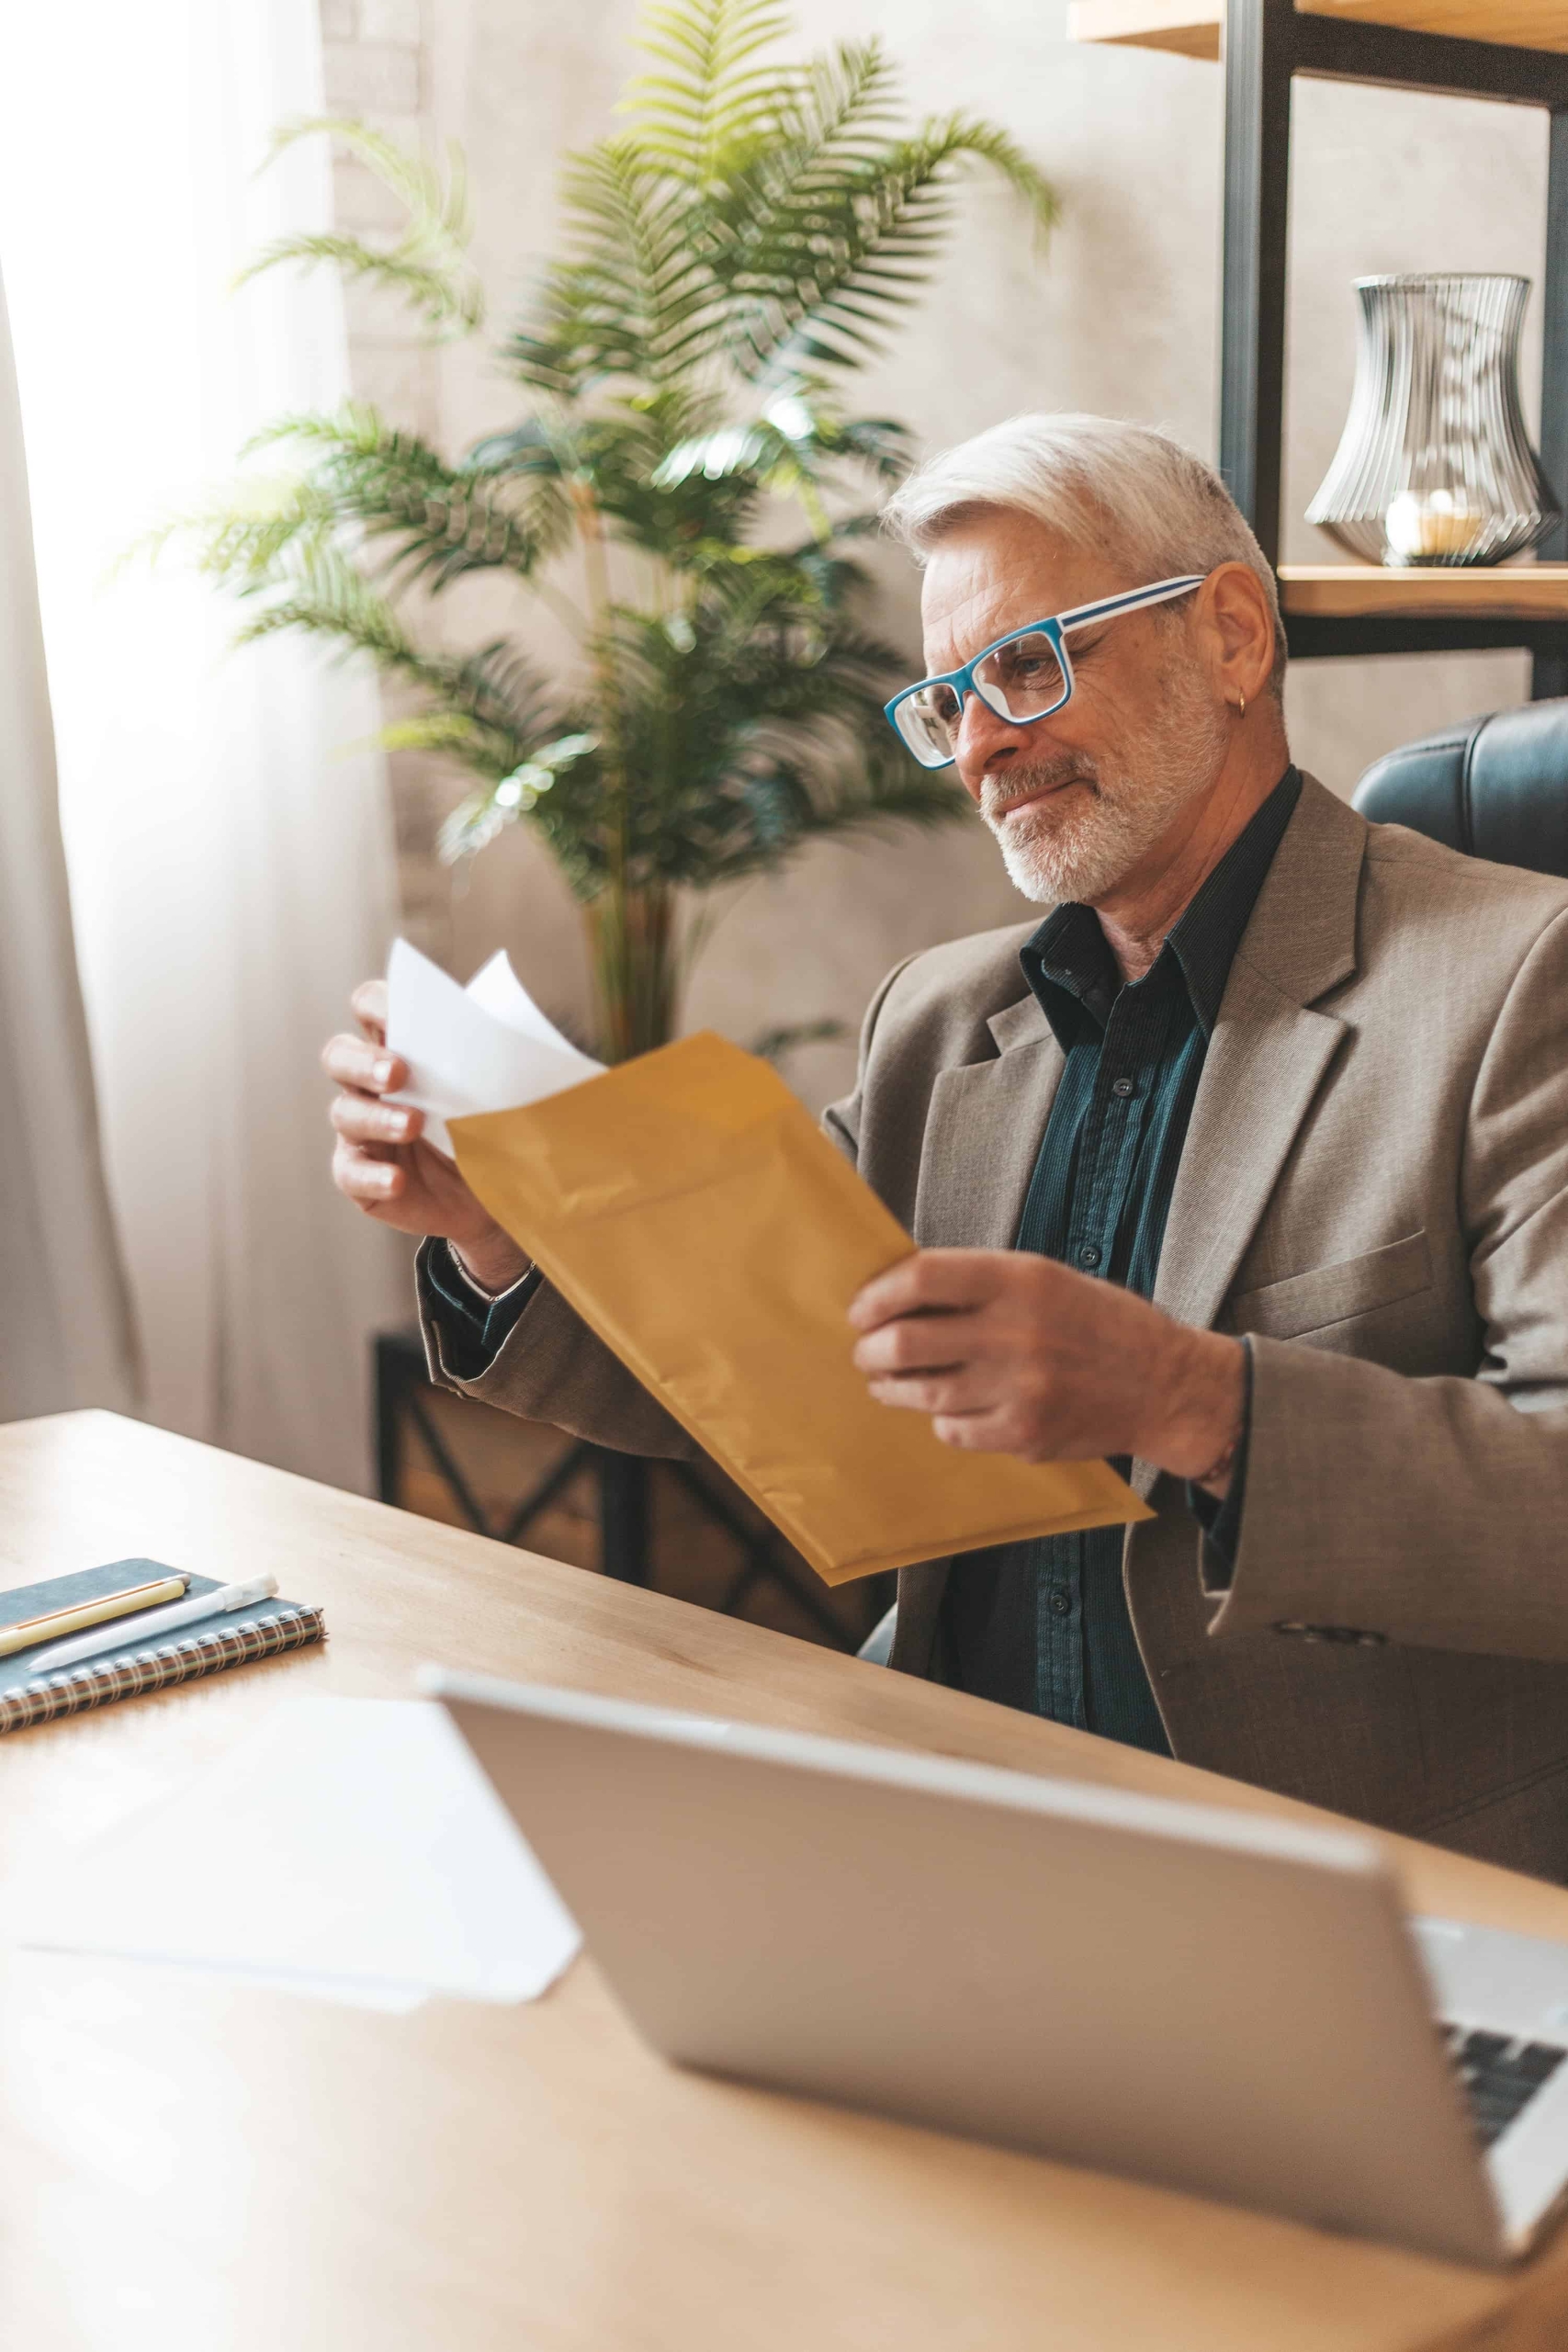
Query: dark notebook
260, 1630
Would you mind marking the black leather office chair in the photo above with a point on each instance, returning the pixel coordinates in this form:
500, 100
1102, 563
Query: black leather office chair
1496, 788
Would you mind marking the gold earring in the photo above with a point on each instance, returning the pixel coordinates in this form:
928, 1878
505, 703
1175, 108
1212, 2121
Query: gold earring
1241, 706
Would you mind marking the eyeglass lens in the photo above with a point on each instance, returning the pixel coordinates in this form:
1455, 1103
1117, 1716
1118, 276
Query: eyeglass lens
1021, 680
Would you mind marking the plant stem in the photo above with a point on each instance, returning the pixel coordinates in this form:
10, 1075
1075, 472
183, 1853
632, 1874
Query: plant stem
629, 930
637, 967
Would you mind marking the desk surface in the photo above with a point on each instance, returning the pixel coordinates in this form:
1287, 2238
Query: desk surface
209, 2169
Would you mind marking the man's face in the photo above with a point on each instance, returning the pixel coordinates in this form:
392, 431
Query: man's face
1079, 802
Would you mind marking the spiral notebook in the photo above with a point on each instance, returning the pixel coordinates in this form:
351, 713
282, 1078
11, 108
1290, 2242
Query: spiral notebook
261, 1630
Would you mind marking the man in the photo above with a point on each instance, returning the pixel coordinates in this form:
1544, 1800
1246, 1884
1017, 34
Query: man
1248, 1166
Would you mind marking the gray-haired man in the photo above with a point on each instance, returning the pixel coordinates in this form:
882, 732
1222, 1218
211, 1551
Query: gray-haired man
1249, 1166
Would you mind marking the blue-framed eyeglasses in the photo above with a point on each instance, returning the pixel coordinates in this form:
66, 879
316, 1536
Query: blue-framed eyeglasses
1022, 677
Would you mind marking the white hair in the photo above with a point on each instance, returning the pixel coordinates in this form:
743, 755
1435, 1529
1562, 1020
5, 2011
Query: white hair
1130, 492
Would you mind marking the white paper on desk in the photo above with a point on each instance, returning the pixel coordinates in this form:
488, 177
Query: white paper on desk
346, 1843
485, 1047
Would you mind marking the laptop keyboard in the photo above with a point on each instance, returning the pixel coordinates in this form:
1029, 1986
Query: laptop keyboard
1500, 2076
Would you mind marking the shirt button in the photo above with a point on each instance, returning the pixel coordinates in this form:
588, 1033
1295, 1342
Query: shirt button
1060, 1603
1121, 1086
1088, 1255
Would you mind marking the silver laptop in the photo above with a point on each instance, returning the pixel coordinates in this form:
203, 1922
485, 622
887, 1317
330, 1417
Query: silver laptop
1228, 2002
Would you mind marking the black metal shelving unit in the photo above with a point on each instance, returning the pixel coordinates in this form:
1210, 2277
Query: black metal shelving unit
621, 1487
1266, 45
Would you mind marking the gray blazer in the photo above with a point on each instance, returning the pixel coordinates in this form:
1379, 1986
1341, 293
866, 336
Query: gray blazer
1375, 1186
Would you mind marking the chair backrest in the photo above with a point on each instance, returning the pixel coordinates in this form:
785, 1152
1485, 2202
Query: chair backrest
1495, 788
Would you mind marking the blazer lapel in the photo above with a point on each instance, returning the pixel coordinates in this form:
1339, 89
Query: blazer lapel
983, 1135
1267, 1059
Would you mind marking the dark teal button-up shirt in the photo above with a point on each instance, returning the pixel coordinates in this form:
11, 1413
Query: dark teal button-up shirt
1044, 1625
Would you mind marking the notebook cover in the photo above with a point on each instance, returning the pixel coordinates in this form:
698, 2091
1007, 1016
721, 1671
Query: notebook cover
260, 1630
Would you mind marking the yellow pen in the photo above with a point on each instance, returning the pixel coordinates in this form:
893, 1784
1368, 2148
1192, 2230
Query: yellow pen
60, 1622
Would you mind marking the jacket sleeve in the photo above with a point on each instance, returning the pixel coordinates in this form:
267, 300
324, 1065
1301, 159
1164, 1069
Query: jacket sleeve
1434, 1512
550, 1368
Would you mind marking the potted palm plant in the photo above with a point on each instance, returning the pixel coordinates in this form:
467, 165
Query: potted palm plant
683, 482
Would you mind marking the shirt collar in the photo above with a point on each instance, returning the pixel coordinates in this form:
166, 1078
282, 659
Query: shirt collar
1068, 964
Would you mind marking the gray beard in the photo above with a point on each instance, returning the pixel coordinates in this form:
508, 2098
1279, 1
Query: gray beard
1083, 851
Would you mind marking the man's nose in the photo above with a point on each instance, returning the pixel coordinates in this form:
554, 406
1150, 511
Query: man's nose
984, 741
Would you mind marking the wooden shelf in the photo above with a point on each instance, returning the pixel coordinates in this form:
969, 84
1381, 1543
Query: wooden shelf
1528, 592
1192, 28
1517, 23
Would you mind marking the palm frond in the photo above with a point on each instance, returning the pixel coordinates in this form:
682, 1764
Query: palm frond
843, 245
488, 704
489, 753
476, 821
793, 451
634, 298
330, 598
444, 521
450, 732
242, 531
758, 218
499, 690
429, 263
709, 100
775, 1044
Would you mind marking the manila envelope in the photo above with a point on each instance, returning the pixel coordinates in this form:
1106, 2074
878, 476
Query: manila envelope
700, 1222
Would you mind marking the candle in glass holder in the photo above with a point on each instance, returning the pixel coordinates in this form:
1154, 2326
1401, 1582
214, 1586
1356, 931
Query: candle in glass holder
1434, 464
1431, 525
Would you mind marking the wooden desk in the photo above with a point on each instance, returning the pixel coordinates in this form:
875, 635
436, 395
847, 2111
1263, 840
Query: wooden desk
202, 2168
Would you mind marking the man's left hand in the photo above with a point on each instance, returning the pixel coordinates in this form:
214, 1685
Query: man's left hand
1013, 1353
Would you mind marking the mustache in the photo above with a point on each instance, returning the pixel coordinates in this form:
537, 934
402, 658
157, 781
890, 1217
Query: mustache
1002, 792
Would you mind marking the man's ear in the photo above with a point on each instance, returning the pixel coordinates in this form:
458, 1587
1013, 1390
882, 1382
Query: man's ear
1238, 623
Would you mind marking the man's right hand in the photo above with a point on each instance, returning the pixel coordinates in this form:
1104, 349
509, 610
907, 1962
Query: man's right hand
383, 1164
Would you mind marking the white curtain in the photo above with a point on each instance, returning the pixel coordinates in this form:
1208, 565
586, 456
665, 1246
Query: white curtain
65, 1337
225, 823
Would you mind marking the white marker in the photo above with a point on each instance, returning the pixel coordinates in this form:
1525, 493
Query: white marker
131, 1632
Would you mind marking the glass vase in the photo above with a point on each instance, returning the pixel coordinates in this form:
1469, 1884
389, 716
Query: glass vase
1435, 466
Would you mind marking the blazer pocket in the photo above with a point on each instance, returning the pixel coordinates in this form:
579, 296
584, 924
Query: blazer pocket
1330, 1294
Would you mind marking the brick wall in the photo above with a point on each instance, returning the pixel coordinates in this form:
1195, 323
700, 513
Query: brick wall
379, 69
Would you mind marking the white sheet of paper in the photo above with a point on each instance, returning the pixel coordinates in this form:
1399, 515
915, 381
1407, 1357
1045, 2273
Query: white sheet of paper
347, 1844
388, 2000
485, 1047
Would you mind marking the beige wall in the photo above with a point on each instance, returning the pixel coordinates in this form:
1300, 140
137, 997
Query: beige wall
1120, 316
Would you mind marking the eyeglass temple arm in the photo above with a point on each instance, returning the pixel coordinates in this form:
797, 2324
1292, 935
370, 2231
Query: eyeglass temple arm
1132, 600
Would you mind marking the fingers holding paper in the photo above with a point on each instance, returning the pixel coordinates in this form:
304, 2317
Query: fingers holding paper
381, 1160
369, 1002
1012, 1354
